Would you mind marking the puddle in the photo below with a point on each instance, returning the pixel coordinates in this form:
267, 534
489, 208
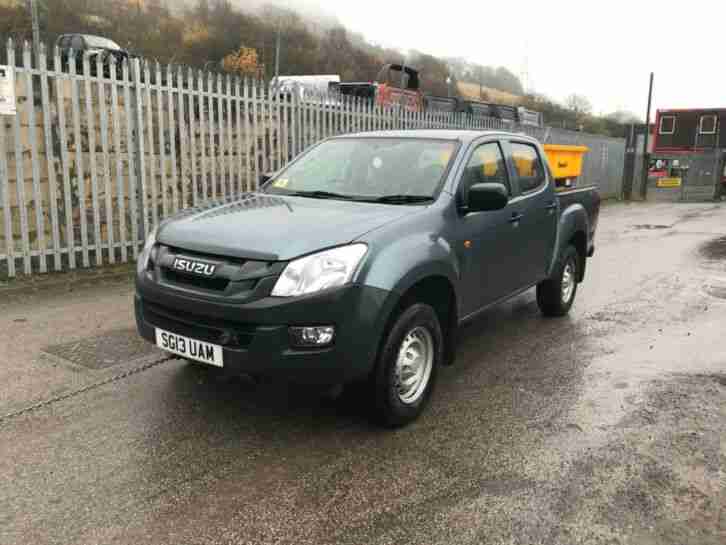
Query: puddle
716, 291
105, 350
650, 226
714, 249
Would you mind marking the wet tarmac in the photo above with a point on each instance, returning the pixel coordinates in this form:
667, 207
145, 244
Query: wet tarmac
608, 426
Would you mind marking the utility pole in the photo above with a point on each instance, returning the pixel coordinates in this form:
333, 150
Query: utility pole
33, 8
644, 186
403, 71
277, 51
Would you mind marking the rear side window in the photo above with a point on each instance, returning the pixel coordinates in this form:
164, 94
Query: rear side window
486, 165
529, 167
667, 124
708, 124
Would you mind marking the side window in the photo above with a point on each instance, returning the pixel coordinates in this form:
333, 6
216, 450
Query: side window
486, 165
667, 124
529, 167
77, 43
708, 124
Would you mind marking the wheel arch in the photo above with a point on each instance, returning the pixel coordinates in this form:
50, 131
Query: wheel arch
572, 230
437, 290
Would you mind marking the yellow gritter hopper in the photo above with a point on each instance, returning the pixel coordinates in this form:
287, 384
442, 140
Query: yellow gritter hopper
565, 162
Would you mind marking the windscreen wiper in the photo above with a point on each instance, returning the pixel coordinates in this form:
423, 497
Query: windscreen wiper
319, 195
402, 199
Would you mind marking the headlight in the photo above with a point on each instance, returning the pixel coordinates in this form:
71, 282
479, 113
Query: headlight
146, 252
320, 271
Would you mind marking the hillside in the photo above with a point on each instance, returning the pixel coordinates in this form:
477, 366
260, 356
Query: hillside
201, 33
474, 92
240, 36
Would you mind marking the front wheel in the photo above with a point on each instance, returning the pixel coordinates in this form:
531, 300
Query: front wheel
556, 294
406, 370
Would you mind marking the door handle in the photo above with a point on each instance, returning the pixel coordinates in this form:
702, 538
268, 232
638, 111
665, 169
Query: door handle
515, 218
551, 206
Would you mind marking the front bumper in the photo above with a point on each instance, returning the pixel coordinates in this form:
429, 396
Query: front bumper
254, 336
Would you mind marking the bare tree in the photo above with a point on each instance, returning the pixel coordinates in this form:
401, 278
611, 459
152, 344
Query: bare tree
578, 104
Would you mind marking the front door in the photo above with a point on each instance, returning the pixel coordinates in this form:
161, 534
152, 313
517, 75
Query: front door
485, 238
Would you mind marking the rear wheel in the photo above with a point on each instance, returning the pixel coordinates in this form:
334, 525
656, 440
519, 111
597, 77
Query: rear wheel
406, 370
556, 294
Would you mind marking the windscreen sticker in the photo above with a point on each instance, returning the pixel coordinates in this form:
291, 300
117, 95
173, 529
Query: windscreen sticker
282, 183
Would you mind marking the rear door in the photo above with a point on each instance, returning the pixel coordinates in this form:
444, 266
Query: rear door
535, 209
485, 239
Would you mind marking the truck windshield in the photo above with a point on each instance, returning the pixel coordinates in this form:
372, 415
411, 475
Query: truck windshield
368, 169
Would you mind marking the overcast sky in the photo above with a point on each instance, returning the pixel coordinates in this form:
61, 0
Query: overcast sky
603, 49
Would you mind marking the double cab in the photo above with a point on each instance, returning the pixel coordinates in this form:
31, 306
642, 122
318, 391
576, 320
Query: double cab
358, 262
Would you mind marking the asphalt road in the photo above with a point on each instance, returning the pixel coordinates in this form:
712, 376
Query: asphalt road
608, 426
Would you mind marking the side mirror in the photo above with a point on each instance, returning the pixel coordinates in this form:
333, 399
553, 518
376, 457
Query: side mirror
487, 197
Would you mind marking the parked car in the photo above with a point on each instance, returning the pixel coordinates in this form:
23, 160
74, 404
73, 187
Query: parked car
94, 47
358, 262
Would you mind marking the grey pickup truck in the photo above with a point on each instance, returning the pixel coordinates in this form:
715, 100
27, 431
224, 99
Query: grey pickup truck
358, 261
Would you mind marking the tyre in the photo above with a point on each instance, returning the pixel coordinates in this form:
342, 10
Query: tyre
407, 365
556, 294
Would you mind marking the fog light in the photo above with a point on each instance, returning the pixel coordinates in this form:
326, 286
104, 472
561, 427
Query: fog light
306, 337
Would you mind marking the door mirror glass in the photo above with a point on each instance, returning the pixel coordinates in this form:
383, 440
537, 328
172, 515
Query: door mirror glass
487, 197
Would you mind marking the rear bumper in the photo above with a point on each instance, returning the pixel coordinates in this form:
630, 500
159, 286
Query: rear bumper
254, 336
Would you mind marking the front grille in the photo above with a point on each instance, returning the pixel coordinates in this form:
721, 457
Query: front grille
205, 256
211, 284
224, 332
233, 277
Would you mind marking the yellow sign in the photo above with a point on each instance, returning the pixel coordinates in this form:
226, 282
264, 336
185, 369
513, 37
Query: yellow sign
282, 183
668, 182
7, 91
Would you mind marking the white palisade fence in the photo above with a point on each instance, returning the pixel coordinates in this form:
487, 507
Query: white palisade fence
98, 153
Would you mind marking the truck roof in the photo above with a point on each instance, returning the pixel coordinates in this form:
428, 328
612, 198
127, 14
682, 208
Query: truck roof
436, 134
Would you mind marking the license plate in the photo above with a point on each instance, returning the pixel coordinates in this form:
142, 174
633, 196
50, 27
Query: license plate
190, 348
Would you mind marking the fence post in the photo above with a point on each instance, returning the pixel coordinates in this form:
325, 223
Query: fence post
211, 98
34, 154
172, 140
238, 133
127, 70
253, 130
5, 198
20, 170
153, 205
194, 187
246, 113
92, 165
139, 156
